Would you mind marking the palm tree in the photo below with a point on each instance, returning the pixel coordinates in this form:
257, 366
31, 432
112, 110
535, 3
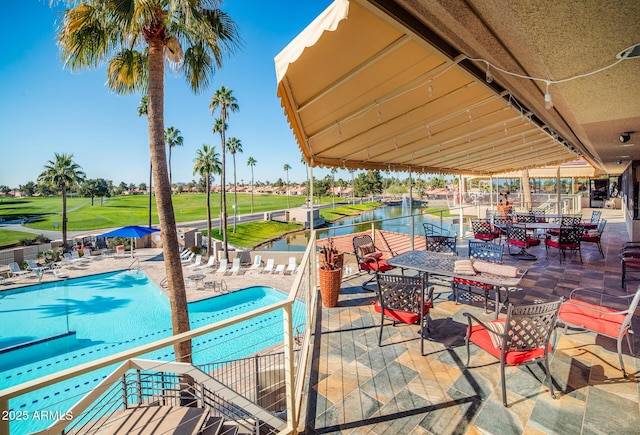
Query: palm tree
137, 38
173, 138
207, 162
333, 187
234, 146
224, 100
143, 109
286, 169
63, 173
306, 168
251, 162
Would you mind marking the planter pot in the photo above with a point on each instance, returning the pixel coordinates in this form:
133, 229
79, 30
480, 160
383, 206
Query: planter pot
330, 281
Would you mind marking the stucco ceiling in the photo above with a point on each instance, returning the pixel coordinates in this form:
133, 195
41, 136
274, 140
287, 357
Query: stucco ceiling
552, 40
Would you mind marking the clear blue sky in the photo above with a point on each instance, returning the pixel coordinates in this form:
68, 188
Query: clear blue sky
46, 109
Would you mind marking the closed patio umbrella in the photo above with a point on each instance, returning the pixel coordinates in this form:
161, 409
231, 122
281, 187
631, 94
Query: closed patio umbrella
132, 231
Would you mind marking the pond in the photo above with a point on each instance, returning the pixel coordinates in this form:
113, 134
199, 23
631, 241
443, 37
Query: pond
396, 222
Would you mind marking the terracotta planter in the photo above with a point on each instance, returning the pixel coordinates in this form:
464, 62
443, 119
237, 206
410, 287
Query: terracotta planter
330, 281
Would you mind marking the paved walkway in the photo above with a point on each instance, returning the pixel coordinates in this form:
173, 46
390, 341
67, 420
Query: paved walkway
358, 387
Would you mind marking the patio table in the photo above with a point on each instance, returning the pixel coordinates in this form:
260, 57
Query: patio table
434, 263
523, 254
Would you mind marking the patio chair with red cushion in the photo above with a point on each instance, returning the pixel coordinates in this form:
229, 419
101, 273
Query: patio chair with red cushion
369, 257
521, 338
484, 230
517, 235
488, 252
595, 235
630, 259
403, 299
586, 309
568, 239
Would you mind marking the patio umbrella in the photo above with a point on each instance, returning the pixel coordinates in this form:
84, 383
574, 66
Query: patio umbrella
133, 231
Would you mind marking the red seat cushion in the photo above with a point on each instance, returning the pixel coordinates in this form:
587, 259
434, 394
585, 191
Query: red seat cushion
473, 283
485, 236
376, 266
402, 316
480, 337
583, 314
556, 244
531, 241
587, 238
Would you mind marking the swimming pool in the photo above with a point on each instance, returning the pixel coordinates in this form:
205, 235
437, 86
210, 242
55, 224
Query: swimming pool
111, 313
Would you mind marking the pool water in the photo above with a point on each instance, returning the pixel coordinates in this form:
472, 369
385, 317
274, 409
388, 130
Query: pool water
111, 313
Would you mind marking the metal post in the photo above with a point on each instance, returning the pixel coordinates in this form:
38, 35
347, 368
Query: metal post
411, 226
289, 369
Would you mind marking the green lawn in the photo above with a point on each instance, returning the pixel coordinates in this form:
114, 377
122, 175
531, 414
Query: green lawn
130, 210
343, 211
9, 237
252, 234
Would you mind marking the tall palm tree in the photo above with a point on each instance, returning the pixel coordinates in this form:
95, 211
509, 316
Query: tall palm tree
251, 162
234, 146
224, 100
218, 125
137, 38
333, 187
207, 162
63, 173
173, 138
143, 109
306, 168
286, 169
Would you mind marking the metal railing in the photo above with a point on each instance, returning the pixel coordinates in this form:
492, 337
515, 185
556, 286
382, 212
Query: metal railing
292, 366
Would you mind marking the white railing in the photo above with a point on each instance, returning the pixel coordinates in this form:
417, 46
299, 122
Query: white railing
295, 363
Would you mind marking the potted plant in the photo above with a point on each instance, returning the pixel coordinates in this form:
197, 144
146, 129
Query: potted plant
330, 274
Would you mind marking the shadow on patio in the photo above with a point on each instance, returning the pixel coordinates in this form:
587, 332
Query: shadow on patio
358, 387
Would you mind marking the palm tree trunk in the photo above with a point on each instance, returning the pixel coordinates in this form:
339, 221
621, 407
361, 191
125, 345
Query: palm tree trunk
223, 210
170, 174
64, 218
150, 201
235, 193
170, 247
208, 184
252, 189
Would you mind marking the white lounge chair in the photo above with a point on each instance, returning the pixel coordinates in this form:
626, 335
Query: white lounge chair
59, 273
119, 251
14, 270
222, 268
210, 263
188, 258
68, 259
235, 267
292, 266
185, 254
76, 256
269, 267
197, 263
257, 263
279, 269
33, 266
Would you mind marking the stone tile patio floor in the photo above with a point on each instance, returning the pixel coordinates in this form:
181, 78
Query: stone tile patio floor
358, 387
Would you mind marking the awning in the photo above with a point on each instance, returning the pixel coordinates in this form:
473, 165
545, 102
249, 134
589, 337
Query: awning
577, 169
361, 90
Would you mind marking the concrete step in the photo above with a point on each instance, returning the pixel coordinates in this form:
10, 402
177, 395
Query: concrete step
141, 420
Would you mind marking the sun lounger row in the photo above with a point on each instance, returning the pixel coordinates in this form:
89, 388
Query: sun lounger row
193, 261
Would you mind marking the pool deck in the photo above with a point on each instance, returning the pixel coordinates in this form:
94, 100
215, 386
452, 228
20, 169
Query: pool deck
150, 261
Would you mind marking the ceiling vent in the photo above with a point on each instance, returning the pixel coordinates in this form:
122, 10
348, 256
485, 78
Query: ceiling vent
629, 53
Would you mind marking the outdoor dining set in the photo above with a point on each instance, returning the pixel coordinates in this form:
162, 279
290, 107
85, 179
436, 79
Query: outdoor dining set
516, 334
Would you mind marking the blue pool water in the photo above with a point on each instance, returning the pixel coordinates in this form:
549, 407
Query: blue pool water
111, 313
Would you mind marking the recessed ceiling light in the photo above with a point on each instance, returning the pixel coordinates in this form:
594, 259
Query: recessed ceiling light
624, 157
629, 53
627, 145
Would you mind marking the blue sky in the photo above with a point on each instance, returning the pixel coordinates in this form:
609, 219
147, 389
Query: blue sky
47, 109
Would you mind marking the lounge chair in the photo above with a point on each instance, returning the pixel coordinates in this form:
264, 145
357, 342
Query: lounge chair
269, 267
76, 256
197, 263
68, 259
222, 268
257, 263
210, 263
279, 268
188, 258
14, 270
59, 273
292, 266
235, 267
34, 267
120, 251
